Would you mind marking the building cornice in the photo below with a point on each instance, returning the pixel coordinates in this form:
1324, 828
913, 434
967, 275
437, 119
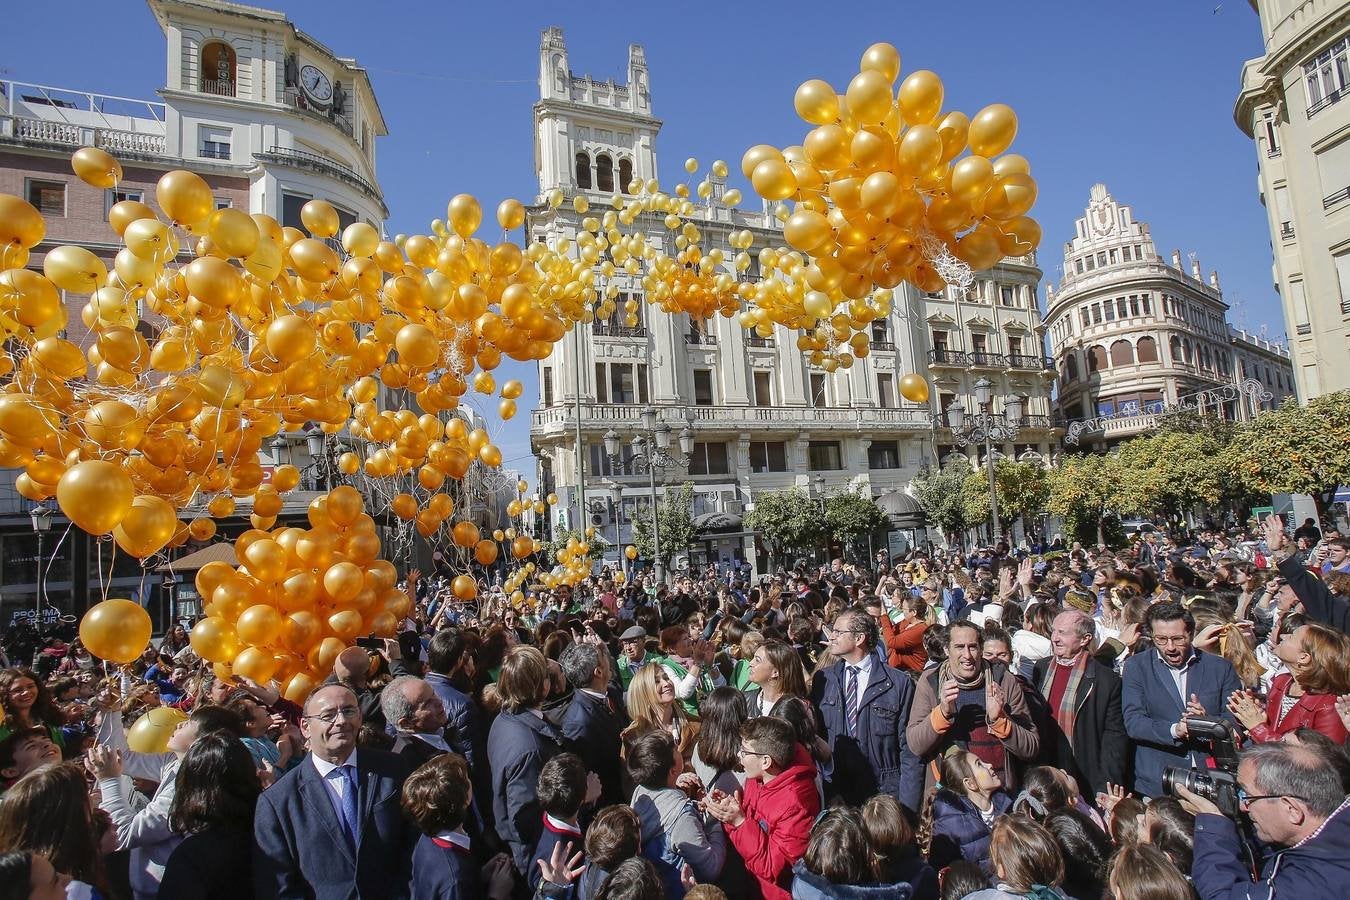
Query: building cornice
619, 117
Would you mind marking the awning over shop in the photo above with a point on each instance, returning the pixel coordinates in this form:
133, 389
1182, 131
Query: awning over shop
222, 552
716, 523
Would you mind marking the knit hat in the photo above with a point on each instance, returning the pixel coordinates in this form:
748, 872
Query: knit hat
1082, 601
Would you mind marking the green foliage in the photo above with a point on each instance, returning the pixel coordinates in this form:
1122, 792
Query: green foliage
1021, 488
788, 521
1295, 449
1081, 491
1171, 471
938, 492
675, 516
850, 516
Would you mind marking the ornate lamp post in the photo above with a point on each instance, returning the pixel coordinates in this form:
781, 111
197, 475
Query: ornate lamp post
818, 483
651, 449
615, 491
987, 427
42, 523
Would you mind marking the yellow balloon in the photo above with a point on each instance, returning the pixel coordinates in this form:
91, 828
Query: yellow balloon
215, 640
773, 179
510, 214
914, 388
992, 130
806, 230
21, 225
96, 167
116, 630
96, 495
151, 732
185, 197
148, 526
972, 177
360, 239
883, 58
464, 214
869, 97
920, 97
234, 232
320, 218
74, 269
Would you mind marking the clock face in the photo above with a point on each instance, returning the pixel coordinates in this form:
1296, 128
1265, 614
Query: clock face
315, 83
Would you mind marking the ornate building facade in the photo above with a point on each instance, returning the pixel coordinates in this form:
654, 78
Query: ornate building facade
753, 413
1291, 105
1132, 334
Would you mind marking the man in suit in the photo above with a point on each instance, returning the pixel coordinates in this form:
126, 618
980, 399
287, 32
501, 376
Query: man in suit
418, 718
446, 656
1082, 728
593, 721
862, 706
1164, 686
332, 828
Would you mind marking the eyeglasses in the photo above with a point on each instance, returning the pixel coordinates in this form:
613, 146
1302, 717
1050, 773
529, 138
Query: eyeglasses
831, 632
332, 715
1176, 641
1245, 799
747, 752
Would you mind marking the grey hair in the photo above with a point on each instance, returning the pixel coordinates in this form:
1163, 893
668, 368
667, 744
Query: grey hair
579, 662
393, 702
1083, 623
1290, 770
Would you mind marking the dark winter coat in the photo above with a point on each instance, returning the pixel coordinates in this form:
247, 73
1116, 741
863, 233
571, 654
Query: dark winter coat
959, 832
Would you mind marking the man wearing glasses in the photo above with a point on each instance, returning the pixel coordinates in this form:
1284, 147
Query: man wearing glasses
1165, 685
1296, 801
863, 709
332, 827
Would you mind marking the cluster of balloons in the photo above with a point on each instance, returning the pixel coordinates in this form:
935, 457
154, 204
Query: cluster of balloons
299, 596
880, 197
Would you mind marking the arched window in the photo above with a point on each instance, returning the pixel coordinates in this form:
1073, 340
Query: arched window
625, 175
604, 173
1122, 354
1146, 350
583, 171
1175, 346
1096, 359
218, 69
1186, 350
1071, 368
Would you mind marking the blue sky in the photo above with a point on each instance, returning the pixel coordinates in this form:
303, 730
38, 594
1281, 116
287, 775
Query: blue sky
1137, 95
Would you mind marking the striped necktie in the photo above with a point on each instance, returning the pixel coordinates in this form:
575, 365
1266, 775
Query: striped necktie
851, 700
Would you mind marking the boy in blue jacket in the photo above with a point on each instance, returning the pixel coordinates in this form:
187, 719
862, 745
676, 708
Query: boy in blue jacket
437, 797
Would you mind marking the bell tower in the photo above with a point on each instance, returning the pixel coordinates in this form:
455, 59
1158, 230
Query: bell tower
590, 136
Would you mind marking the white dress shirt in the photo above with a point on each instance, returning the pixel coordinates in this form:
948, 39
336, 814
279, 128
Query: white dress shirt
864, 677
337, 784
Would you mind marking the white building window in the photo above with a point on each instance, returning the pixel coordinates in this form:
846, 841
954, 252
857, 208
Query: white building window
1326, 76
1343, 277
1333, 166
886, 390
213, 142
1298, 302
117, 195
48, 197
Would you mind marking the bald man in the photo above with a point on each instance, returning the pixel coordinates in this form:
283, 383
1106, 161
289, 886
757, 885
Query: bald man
332, 827
351, 669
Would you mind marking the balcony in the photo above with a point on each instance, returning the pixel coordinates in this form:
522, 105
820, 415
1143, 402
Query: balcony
1331, 200
883, 346
981, 359
609, 329
24, 130
1036, 363
698, 338
1329, 100
560, 420
1286, 231
1274, 153
754, 340
300, 159
941, 356
218, 87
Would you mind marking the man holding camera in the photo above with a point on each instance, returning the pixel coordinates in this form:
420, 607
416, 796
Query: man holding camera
1297, 805
1166, 685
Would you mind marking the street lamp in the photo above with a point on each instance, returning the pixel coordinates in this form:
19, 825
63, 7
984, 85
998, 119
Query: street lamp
986, 427
818, 481
616, 513
651, 448
42, 523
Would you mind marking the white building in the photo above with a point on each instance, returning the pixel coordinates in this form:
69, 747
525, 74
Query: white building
1290, 104
1132, 334
759, 416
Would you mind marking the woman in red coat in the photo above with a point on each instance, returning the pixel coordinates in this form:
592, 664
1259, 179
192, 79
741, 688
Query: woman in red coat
904, 639
1318, 659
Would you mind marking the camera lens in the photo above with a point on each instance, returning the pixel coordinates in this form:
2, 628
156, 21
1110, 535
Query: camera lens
1193, 780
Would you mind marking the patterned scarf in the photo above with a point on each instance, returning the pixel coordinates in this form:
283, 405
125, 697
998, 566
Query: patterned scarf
1067, 713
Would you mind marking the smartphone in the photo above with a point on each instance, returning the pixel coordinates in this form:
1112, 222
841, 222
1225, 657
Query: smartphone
370, 643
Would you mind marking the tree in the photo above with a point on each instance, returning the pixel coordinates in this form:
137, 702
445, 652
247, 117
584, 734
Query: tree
938, 492
1021, 488
1172, 471
788, 521
1081, 490
675, 517
1295, 449
852, 517
597, 545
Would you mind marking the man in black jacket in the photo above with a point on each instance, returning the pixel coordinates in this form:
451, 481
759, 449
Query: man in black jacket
1319, 604
1082, 729
594, 719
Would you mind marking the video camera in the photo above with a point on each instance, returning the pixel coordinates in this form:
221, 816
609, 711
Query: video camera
1219, 785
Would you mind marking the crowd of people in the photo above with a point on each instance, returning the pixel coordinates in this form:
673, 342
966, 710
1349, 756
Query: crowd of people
1161, 721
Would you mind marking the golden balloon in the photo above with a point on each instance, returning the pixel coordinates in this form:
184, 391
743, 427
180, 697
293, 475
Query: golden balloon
116, 630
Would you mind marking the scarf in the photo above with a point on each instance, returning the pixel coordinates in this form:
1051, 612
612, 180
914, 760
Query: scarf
1067, 713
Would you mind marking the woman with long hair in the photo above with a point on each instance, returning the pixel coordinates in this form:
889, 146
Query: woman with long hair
652, 707
1141, 872
1027, 862
48, 812
1318, 659
776, 672
28, 704
895, 853
717, 752
217, 790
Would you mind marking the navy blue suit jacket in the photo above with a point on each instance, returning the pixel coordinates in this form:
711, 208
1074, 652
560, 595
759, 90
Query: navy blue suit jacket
878, 760
1151, 706
592, 732
519, 743
300, 850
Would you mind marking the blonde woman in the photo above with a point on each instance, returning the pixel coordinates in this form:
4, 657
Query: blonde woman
652, 707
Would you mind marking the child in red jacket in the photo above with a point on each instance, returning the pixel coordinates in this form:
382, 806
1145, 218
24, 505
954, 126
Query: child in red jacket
771, 824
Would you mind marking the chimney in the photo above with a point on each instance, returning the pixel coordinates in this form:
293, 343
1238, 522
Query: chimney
1214, 279
1176, 260
1195, 268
